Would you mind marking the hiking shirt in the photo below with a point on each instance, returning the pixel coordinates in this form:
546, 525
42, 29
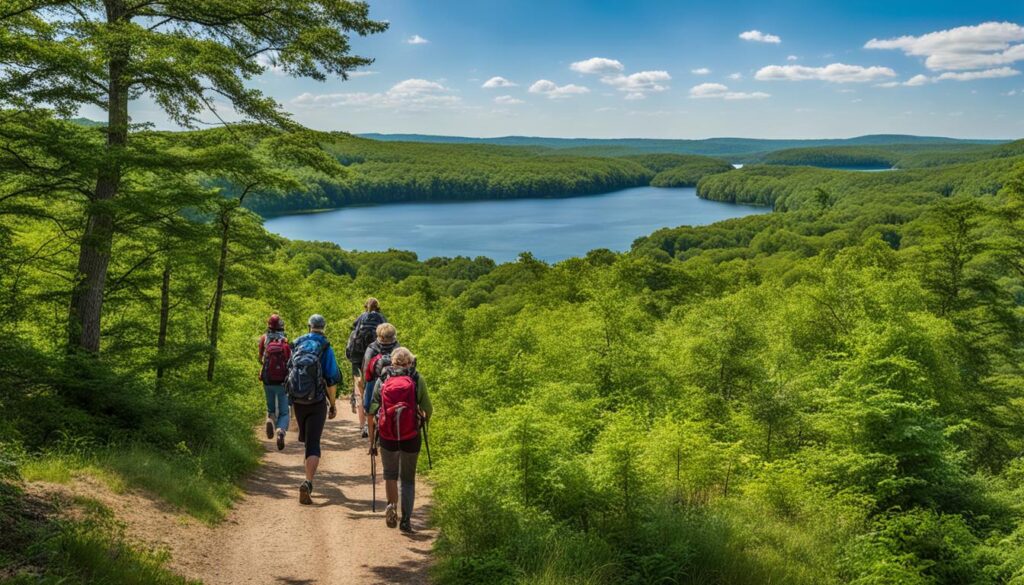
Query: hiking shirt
328, 363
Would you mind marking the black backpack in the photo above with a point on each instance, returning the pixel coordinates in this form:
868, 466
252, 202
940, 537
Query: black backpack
364, 333
305, 383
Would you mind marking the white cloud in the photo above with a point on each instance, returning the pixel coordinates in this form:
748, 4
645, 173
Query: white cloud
919, 79
507, 100
639, 82
972, 75
635, 85
598, 66
554, 91
792, 58
700, 71
735, 76
834, 73
759, 37
416, 40
268, 61
408, 95
496, 82
361, 73
986, 45
719, 91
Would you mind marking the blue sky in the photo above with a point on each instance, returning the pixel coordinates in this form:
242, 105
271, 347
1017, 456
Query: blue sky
679, 69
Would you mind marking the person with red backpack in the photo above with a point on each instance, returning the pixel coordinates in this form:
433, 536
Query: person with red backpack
274, 353
400, 410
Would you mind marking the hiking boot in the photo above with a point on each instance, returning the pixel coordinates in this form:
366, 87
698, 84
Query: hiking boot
305, 489
280, 440
391, 516
270, 428
406, 525
352, 399
366, 432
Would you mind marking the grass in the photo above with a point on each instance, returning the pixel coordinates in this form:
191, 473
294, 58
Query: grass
179, 480
41, 549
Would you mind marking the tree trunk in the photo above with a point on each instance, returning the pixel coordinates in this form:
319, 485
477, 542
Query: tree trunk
218, 295
165, 310
86, 304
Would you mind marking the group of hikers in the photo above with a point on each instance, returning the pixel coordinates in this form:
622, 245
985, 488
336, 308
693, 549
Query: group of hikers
388, 394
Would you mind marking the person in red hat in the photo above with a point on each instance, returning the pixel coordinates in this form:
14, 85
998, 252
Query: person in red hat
274, 353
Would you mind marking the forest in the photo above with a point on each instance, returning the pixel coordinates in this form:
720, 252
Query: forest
830, 393
390, 172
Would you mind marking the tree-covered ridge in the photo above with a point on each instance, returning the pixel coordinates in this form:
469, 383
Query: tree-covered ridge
904, 156
388, 172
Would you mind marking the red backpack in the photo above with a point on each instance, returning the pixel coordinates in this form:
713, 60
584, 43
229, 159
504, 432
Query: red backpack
275, 362
398, 417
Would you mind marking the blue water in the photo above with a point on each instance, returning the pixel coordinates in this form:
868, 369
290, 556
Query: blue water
552, 229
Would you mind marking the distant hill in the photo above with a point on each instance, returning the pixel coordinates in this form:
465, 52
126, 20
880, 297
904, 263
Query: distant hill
736, 149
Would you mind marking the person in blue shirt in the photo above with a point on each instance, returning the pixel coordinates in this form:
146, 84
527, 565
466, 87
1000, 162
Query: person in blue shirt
312, 417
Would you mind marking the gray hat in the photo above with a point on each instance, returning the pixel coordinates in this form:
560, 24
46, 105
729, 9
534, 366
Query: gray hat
317, 321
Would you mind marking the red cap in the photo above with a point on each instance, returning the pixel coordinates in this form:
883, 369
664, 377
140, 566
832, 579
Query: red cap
275, 322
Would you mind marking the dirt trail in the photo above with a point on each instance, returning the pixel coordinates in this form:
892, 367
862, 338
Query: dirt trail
270, 538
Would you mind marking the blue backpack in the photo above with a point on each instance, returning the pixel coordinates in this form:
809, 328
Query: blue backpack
305, 383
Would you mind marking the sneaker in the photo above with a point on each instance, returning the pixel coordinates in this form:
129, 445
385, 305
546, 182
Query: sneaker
406, 525
270, 428
305, 489
280, 440
391, 516
366, 432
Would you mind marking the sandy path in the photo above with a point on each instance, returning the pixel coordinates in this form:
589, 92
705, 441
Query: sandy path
270, 538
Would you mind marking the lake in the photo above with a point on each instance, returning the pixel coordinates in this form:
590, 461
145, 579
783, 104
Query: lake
552, 229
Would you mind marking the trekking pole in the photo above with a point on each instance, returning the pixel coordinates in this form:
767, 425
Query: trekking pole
373, 479
426, 441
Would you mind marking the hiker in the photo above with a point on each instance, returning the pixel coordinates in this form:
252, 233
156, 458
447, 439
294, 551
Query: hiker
363, 333
313, 378
403, 404
377, 359
274, 353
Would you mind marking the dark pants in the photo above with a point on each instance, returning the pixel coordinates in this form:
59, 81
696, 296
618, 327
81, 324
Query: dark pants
399, 459
311, 419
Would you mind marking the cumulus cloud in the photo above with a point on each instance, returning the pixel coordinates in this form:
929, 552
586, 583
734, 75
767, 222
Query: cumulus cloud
720, 91
635, 85
759, 37
700, 71
987, 45
792, 58
735, 76
918, 80
554, 91
361, 73
416, 40
507, 100
408, 95
496, 82
834, 73
972, 75
598, 66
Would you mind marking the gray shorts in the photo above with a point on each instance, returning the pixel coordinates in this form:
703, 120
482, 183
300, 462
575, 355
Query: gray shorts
399, 464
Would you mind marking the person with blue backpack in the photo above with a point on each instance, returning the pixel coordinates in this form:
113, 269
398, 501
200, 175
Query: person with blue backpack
364, 332
312, 383
399, 411
274, 354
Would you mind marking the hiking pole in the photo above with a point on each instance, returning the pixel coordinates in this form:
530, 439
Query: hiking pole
373, 478
426, 441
